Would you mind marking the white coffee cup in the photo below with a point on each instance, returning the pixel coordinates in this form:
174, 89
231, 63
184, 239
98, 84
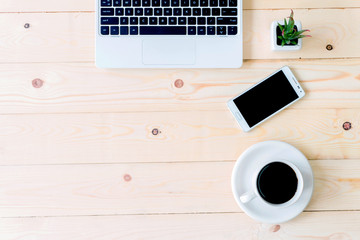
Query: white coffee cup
254, 193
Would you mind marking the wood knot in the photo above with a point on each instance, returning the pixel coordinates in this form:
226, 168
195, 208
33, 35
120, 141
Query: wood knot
155, 131
37, 83
127, 178
27, 25
347, 126
329, 47
275, 228
179, 83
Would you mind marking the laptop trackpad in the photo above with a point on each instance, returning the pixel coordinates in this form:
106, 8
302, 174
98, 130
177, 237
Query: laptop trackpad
169, 51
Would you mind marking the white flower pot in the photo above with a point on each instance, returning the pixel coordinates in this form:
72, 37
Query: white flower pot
275, 46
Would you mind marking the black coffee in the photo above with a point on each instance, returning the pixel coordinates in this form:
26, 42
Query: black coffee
277, 183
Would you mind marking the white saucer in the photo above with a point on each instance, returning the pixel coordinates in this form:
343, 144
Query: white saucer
244, 170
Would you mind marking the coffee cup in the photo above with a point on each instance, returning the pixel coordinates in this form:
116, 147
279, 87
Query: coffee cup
276, 182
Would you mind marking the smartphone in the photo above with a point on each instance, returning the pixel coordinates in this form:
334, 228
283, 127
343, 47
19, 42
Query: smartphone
266, 98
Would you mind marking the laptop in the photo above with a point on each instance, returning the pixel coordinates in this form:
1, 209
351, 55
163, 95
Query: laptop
169, 33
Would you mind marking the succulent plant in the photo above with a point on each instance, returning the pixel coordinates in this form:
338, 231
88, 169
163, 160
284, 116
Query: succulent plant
289, 33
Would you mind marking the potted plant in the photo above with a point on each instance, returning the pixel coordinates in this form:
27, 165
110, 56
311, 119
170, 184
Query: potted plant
287, 35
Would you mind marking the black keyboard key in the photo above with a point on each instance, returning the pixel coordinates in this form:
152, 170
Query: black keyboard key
153, 21
185, 3
162, 30
216, 12
201, 31
172, 20
134, 30
214, 3
226, 21
117, 3
196, 11
175, 3
204, 3
107, 12
187, 11
211, 21
162, 21
127, 3
229, 12
232, 3
158, 11
114, 30
206, 12
165, 3
155, 3
223, 3
201, 20
182, 21
104, 30
146, 3
139, 12
143, 21
167, 11
136, 3
221, 30
177, 11
124, 21
211, 30
129, 11
232, 30
191, 30
191, 20
134, 21
148, 12
119, 11
106, 3
194, 3
124, 31
109, 20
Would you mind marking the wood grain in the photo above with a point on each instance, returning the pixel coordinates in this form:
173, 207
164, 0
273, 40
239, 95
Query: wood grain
52, 37
69, 37
153, 188
324, 30
81, 87
46, 5
308, 4
79, 160
183, 136
309, 225
86, 5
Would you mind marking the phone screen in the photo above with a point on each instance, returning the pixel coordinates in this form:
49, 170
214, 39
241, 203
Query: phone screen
265, 98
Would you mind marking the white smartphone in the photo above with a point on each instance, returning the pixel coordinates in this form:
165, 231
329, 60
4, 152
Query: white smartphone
266, 98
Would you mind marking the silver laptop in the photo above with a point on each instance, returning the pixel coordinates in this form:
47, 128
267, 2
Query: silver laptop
169, 33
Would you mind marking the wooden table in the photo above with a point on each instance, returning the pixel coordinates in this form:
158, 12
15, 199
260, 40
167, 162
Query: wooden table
89, 153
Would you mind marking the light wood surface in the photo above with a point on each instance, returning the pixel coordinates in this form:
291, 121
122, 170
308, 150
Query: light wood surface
81, 87
188, 135
89, 6
309, 226
153, 188
92, 154
69, 37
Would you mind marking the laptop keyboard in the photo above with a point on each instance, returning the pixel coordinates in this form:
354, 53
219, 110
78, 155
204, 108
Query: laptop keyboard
168, 17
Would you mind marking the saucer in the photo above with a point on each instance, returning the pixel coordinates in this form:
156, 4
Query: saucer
243, 172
